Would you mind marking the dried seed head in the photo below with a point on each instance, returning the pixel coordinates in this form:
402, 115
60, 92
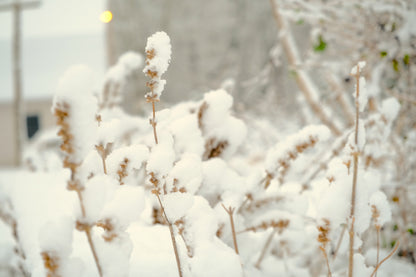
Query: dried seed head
82, 226
280, 225
214, 148
323, 233
51, 263
122, 171
109, 229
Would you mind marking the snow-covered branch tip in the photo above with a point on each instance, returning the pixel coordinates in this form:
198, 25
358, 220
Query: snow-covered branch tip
158, 51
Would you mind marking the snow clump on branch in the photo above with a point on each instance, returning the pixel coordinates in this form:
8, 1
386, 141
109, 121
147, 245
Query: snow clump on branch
158, 51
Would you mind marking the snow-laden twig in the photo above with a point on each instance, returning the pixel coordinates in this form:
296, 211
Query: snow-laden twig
358, 107
302, 78
158, 51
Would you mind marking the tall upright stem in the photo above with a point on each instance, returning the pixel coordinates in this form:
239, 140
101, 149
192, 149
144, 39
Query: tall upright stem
154, 122
88, 234
170, 225
378, 246
355, 172
172, 236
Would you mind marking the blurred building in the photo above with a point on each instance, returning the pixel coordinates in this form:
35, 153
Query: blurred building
214, 43
37, 116
44, 60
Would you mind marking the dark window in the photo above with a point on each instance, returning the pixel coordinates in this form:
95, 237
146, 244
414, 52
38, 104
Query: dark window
32, 124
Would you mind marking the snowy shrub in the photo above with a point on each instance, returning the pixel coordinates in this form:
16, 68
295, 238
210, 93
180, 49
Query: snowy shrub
194, 190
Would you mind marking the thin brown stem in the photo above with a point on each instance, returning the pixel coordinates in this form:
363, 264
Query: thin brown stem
339, 242
355, 173
265, 248
378, 244
172, 236
326, 260
103, 152
88, 234
172, 233
153, 123
230, 212
104, 166
385, 259
93, 250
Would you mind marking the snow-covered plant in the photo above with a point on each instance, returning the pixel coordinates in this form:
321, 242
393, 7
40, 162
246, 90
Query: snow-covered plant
72, 107
115, 80
233, 197
17, 261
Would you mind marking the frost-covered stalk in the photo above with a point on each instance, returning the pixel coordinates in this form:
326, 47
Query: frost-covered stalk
74, 113
375, 216
303, 80
158, 51
381, 213
62, 112
280, 157
7, 216
356, 73
323, 240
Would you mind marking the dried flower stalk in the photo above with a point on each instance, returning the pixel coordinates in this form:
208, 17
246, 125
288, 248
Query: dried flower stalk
156, 86
230, 212
355, 173
62, 112
386, 258
323, 240
6, 215
375, 215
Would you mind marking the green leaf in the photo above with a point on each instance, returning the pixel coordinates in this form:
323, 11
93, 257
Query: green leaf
406, 59
383, 54
410, 230
395, 65
293, 73
395, 227
300, 21
320, 46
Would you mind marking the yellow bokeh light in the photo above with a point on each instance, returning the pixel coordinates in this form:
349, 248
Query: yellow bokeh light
106, 16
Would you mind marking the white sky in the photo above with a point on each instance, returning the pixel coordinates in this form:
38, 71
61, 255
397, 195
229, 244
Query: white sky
56, 17
58, 34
